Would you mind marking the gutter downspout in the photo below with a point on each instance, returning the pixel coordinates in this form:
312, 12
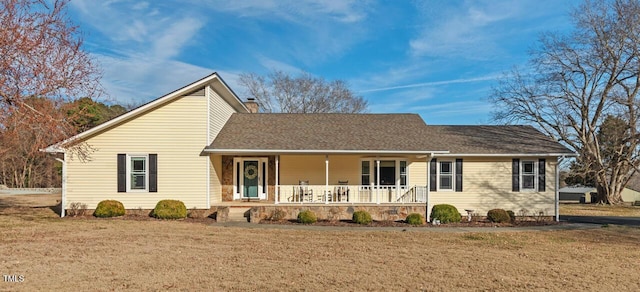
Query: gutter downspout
557, 205
63, 200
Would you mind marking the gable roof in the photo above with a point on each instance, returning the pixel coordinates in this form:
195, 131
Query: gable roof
213, 80
506, 140
375, 133
325, 132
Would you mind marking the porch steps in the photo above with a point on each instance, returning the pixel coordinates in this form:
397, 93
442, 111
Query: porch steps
238, 214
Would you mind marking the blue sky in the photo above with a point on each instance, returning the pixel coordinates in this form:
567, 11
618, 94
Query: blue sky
435, 58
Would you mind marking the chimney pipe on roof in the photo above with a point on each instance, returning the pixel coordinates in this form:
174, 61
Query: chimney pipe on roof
252, 105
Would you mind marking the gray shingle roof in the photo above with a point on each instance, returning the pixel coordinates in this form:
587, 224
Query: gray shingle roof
372, 132
510, 139
376, 132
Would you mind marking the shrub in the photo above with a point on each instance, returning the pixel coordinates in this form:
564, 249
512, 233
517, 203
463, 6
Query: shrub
277, 215
498, 216
307, 217
415, 219
445, 213
109, 208
361, 217
77, 209
540, 217
170, 209
512, 215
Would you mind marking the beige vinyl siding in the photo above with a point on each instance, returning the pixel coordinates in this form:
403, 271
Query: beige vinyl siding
176, 131
215, 178
487, 185
417, 170
344, 168
294, 168
219, 113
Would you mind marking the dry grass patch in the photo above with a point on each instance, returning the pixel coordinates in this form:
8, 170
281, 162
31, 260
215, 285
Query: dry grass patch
115, 254
599, 210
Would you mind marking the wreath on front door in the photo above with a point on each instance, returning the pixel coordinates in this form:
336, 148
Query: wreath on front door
250, 172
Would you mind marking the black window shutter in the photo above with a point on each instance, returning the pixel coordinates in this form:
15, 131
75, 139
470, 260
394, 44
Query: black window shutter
515, 175
122, 173
541, 175
433, 181
458, 175
153, 173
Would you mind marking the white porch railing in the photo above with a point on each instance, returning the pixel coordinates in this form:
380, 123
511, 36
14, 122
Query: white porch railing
350, 194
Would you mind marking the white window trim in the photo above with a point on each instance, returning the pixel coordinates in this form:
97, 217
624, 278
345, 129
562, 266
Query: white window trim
373, 165
146, 176
535, 175
453, 176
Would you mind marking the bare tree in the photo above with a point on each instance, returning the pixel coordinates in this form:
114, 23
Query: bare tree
280, 92
22, 134
578, 80
42, 66
42, 57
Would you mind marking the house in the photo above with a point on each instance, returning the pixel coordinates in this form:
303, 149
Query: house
202, 145
587, 194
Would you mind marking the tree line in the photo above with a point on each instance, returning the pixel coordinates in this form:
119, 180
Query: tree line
22, 164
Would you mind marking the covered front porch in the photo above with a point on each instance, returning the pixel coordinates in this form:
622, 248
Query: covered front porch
324, 179
350, 194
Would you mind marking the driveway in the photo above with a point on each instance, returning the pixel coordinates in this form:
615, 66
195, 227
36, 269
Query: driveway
629, 221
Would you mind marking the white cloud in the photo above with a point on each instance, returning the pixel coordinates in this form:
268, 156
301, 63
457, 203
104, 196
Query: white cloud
139, 51
454, 108
272, 64
171, 41
433, 83
463, 30
140, 80
347, 11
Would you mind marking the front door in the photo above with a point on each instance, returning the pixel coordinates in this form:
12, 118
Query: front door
250, 178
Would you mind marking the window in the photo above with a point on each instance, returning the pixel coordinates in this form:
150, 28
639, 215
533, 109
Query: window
446, 175
137, 172
366, 173
528, 175
403, 173
391, 172
387, 172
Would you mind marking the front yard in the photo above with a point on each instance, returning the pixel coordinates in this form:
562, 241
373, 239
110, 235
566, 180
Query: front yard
115, 254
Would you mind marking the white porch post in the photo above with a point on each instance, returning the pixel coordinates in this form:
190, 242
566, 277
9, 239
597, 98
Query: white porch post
378, 180
428, 186
63, 199
326, 179
557, 203
397, 163
277, 188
